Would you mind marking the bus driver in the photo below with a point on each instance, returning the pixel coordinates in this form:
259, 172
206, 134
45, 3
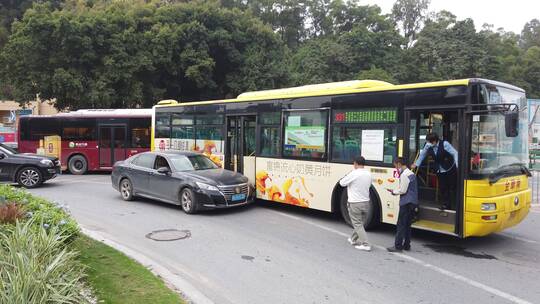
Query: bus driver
446, 159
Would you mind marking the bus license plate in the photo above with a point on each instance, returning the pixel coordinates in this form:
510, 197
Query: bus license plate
238, 197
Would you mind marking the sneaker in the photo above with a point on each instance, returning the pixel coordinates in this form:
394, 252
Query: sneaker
407, 248
364, 247
350, 241
394, 249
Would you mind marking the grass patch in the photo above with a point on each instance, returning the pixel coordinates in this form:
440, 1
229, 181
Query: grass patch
116, 278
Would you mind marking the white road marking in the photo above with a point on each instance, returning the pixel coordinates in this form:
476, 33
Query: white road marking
518, 238
440, 270
186, 288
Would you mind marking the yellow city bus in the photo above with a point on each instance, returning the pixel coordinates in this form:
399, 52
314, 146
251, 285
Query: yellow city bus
295, 144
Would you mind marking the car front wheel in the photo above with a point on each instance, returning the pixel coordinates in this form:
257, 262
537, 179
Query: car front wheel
126, 189
188, 201
29, 177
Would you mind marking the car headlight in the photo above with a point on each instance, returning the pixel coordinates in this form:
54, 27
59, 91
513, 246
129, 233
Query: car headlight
46, 162
489, 206
207, 186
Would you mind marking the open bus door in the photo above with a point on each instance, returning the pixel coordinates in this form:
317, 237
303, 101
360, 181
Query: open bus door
448, 124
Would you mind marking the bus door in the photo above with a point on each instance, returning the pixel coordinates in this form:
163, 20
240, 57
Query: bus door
112, 144
240, 144
438, 205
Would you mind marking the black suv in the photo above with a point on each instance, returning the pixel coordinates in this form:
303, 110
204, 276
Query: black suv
28, 170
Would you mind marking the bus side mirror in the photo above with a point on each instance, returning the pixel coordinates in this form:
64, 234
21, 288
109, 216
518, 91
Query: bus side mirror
511, 120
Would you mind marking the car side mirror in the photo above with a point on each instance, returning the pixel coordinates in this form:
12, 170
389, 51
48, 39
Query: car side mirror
511, 121
2, 155
163, 170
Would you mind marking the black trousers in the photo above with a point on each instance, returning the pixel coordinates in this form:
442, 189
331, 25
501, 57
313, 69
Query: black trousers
404, 222
447, 188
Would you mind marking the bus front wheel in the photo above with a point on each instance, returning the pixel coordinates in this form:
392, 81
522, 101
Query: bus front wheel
78, 165
371, 219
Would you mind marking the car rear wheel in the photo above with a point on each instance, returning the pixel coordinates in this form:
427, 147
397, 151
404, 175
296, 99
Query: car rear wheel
126, 189
29, 177
188, 201
78, 165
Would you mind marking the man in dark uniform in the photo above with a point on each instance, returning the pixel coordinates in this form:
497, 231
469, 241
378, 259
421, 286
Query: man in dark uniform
408, 201
446, 163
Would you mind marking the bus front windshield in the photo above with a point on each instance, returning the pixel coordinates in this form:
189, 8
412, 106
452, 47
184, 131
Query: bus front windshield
492, 151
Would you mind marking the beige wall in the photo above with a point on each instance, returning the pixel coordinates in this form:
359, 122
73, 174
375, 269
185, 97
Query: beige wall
38, 108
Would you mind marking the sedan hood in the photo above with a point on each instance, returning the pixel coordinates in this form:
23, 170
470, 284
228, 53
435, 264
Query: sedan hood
220, 177
33, 156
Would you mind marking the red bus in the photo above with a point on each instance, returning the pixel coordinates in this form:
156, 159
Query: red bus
87, 140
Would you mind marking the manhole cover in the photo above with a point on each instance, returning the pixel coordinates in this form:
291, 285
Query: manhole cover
168, 235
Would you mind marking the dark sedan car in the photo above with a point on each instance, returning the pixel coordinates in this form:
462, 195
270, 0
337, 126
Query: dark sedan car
188, 179
28, 170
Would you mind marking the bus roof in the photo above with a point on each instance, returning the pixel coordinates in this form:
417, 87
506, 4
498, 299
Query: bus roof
335, 88
101, 113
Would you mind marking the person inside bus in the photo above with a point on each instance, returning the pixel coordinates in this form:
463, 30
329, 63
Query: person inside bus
408, 201
445, 158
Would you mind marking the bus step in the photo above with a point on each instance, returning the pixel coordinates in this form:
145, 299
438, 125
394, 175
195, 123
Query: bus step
435, 214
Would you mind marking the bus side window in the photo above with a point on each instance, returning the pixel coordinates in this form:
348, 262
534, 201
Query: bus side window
305, 134
270, 141
347, 142
140, 133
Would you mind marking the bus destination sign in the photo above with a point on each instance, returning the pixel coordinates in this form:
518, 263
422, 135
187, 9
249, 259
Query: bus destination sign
381, 115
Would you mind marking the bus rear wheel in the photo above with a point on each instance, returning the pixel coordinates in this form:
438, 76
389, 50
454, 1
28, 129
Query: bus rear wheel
372, 218
77, 165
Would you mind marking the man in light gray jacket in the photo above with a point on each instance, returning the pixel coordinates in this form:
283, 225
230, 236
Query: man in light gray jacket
358, 182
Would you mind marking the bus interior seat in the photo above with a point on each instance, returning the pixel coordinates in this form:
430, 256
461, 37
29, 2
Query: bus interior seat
338, 149
352, 149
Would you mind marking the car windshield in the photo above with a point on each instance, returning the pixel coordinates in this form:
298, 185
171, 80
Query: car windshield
491, 150
192, 162
7, 150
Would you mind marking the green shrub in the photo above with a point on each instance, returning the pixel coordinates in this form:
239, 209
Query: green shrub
36, 266
42, 212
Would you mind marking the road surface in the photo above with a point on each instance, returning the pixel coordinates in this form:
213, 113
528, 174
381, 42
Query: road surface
269, 253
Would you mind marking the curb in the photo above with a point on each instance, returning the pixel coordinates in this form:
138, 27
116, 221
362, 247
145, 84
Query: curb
186, 289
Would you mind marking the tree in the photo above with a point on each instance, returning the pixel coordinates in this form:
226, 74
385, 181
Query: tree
124, 55
530, 35
286, 17
526, 74
377, 74
447, 49
357, 38
410, 15
503, 52
322, 60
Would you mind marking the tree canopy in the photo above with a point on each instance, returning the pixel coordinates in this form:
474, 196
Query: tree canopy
126, 55
132, 53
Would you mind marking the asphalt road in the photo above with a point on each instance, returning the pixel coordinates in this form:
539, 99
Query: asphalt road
269, 253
